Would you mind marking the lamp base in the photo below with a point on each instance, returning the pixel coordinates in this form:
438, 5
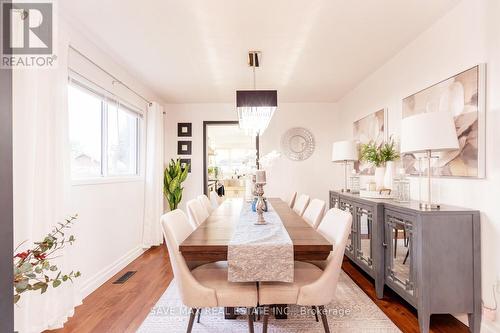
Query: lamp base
430, 206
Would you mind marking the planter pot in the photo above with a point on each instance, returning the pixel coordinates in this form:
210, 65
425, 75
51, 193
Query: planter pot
379, 177
389, 175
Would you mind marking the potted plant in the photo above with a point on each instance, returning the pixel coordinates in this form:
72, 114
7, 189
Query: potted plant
380, 156
173, 177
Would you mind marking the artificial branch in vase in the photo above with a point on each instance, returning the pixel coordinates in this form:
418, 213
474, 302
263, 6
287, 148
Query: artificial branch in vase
32, 268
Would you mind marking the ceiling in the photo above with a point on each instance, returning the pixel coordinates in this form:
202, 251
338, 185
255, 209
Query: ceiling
196, 50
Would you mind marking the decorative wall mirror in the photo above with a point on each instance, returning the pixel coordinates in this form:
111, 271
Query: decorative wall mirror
297, 144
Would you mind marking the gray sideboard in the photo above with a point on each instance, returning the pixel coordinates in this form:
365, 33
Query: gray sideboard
431, 259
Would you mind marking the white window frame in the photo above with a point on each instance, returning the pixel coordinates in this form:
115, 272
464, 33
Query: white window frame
105, 178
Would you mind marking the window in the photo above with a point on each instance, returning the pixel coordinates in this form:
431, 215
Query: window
104, 135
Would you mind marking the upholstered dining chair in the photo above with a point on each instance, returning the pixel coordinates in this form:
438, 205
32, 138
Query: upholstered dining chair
205, 286
196, 212
206, 203
300, 204
215, 199
314, 212
312, 286
291, 202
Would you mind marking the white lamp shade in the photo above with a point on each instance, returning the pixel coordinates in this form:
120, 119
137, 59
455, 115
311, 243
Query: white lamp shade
434, 131
344, 151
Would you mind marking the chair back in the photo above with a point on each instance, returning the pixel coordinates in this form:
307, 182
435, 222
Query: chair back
205, 203
336, 227
176, 229
314, 212
196, 212
301, 204
291, 202
215, 200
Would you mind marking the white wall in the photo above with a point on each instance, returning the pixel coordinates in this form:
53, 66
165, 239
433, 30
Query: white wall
466, 36
314, 176
109, 230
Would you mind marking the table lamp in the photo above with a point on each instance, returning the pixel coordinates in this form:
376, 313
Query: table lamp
345, 152
427, 133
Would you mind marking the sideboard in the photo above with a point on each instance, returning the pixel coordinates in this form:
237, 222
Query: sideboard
431, 258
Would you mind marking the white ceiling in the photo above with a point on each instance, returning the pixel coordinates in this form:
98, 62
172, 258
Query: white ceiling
196, 50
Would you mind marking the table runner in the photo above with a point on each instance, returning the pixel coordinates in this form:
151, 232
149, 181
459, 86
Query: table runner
260, 252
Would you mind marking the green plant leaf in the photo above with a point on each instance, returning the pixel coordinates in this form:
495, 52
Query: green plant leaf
21, 285
56, 283
25, 267
174, 184
39, 285
184, 174
44, 288
17, 297
168, 178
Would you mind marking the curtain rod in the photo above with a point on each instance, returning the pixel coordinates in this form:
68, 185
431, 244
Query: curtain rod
115, 79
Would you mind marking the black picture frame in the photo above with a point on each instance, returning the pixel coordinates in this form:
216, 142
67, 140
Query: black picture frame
185, 161
184, 130
184, 147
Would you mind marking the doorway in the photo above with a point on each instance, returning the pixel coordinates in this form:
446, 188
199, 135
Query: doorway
230, 155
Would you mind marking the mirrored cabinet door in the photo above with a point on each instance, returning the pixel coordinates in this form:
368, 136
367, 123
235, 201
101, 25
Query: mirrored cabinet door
399, 253
352, 236
365, 236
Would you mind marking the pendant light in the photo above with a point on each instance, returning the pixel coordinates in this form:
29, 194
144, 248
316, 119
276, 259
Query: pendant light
255, 107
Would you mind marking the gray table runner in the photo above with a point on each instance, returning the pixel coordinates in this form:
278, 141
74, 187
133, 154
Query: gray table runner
260, 252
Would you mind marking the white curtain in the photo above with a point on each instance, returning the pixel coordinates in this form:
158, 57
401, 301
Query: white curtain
41, 183
153, 195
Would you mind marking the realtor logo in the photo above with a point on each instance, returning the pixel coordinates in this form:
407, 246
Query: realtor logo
27, 34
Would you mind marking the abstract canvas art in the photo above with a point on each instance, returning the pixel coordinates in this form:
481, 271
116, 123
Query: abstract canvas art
369, 128
461, 95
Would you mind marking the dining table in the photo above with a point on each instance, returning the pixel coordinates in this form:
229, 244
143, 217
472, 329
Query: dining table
210, 240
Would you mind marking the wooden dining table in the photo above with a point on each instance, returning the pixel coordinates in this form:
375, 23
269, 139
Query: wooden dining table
210, 240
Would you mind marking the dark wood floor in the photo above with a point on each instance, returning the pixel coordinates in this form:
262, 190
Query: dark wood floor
122, 308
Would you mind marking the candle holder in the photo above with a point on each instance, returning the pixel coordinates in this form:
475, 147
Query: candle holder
260, 205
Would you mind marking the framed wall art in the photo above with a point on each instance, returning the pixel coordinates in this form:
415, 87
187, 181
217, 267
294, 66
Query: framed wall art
184, 147
369, 128
463, 95
184, 130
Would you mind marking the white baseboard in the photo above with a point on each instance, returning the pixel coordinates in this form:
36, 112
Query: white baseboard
105, 274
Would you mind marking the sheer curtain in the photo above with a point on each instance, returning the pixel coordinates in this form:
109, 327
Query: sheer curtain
153, 196
41, 183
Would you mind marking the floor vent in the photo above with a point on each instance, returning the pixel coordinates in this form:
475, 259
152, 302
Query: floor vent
124, 277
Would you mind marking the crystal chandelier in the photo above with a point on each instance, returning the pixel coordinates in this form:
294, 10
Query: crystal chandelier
255, 107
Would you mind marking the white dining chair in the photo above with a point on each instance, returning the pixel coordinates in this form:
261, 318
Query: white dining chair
196, 212
291, 202
206, 286
215, 199
312, 286
301, 204
314, 212
206, 203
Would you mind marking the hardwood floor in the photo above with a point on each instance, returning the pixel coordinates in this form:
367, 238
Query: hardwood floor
122, 307
400, 312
